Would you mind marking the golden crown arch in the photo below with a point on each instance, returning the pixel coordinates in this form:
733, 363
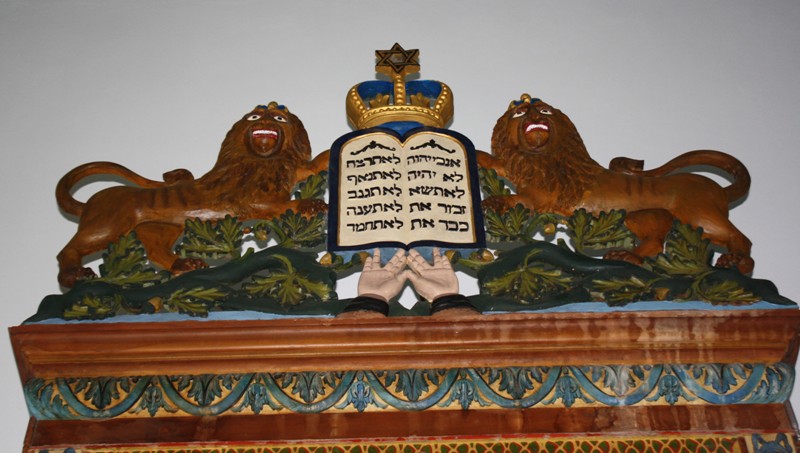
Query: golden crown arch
377, 102
402, 179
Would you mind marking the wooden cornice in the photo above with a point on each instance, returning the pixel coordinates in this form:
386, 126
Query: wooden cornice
220, 347
311, 428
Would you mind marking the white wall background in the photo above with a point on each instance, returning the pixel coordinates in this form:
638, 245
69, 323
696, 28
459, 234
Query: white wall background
155, 86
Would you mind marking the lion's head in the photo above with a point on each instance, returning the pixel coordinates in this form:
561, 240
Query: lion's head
540, 148
268, 131
264, 146
531, 126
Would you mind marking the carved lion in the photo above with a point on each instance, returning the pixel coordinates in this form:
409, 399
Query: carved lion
539, 150
261, 159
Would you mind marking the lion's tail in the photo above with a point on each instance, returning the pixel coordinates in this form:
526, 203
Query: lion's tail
64, 187
725, 162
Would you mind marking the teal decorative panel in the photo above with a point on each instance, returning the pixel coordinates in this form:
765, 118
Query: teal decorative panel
409, 390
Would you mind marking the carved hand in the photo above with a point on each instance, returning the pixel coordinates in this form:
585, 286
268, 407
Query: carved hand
431, 281
382, 282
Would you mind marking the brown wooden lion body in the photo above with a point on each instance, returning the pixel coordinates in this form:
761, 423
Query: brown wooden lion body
539, 150
263, 156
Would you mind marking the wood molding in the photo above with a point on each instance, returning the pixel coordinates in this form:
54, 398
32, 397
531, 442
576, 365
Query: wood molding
617, 421
196, 347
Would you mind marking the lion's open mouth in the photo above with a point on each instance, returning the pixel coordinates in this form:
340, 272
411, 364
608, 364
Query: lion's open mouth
536, 133
267, 132
536, 126
264, 140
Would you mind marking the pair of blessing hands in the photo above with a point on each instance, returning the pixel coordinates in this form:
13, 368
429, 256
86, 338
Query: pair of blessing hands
430, 281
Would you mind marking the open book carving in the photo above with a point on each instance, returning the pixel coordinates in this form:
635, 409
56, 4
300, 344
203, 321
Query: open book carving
404, 191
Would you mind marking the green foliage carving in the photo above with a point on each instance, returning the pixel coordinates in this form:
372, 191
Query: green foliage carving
295, 230
491, 184
288, 285
517, 381
195, 301
313, 187
273, 280
94, 307
605, 231
621, 291
619, 378
292, 229
685, 252
569, 391
474, 262
412, 384
153, 400
499, 228
211, 240
309, 385
720, 377
670, 388
518, 224
724, 291
257, 397
206, 388
530, 281
465, 393
338, 264
125, 264
43, 396
510, 226
543, 275
102, 392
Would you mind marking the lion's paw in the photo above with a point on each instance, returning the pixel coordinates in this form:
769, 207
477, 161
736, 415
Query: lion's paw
312, 207
624, 255
497, 203
69, 277
738, 261
183, 265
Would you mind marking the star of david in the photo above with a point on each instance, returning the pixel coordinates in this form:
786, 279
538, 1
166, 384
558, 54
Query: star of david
397, 60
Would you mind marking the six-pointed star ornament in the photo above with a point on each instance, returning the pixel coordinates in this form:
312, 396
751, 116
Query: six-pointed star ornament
397, 61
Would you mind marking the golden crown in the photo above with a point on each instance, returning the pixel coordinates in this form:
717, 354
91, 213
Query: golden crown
377, 102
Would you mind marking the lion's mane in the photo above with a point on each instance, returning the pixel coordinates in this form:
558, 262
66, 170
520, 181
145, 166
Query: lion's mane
236, 166
566, 172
